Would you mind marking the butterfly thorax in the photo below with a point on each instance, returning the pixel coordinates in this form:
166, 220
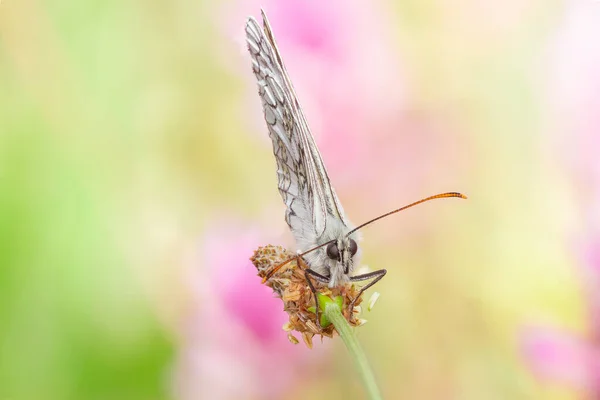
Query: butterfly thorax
337, 260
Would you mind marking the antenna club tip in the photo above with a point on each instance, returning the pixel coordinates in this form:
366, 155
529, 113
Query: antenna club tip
453, 194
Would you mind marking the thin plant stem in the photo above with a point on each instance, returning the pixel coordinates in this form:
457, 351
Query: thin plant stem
334, 314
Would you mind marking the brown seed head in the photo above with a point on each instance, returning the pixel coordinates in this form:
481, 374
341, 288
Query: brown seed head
289, 284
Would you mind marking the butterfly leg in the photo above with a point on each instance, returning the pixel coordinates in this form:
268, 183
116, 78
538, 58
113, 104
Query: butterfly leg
369, 275
321, 279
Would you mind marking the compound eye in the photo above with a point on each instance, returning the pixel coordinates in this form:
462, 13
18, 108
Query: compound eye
333, 252
353, 247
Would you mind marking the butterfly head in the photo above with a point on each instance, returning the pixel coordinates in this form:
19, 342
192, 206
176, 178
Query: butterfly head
342, 250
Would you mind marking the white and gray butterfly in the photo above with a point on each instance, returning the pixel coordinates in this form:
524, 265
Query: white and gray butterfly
326, 239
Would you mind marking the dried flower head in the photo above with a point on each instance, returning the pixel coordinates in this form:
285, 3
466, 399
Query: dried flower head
289, 284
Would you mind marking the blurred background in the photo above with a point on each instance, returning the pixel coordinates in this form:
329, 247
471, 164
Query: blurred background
136, 179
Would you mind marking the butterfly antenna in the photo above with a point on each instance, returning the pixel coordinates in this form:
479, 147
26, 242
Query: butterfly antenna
437, 196
279, 266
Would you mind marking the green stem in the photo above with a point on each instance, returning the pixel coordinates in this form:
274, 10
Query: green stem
334, 314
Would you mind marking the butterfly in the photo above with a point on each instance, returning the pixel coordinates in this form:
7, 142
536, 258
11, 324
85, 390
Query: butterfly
325, 237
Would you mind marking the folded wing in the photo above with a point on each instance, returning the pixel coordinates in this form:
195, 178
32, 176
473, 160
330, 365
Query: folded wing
302, 178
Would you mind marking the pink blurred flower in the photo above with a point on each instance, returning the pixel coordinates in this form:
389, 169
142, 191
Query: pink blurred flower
570, 358
574, 92
556, 355
232, 342
574, 95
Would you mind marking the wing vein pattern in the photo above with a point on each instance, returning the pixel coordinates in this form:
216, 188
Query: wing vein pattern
302, 179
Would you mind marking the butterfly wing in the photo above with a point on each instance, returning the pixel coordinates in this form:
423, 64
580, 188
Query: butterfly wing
302, 178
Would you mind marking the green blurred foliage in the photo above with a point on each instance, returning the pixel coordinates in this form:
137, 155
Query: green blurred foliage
76, 322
